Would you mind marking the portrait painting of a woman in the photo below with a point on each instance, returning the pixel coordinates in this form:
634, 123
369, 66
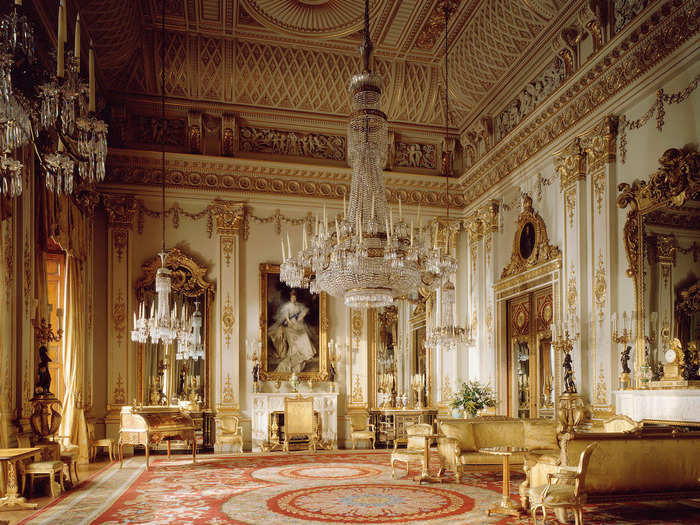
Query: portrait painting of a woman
293, 341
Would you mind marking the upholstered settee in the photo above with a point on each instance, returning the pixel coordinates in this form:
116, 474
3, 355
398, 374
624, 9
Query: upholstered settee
633, 465
460, 440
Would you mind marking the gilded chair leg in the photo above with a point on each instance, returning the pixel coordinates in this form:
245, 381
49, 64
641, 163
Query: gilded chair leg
31, 485
75, 471
373, 443
60, 477
393, 472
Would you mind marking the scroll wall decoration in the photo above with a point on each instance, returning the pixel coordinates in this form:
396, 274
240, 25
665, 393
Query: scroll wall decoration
658, 108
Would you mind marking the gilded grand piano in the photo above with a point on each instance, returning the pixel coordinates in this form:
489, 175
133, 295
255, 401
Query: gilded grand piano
149, 425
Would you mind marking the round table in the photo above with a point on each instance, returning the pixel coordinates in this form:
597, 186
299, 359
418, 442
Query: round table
506, 506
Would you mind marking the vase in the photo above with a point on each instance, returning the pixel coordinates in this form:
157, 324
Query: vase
457, 413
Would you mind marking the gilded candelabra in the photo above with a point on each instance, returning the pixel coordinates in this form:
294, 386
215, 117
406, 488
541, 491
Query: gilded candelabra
254, 347
418, 386
43, 330
335, 352
622, 338
386, 388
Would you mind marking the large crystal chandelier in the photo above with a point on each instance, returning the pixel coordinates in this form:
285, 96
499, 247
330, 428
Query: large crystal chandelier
66, 109
365, 256
445, 334
160, 324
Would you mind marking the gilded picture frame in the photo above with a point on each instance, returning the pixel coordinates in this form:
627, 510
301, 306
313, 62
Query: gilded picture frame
291, 328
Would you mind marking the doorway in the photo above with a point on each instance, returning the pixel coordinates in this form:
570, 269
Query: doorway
530, 359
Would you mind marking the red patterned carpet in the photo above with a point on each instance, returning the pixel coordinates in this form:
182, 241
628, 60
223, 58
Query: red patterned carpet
308, 489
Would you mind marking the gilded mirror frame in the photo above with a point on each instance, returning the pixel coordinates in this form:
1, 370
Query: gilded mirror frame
189, 279
671, 186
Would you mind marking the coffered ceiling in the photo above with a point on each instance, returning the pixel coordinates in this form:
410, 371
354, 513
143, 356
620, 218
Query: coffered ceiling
296, 56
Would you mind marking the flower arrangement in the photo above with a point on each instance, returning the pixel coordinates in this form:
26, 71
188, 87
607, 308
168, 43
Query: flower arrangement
472, 397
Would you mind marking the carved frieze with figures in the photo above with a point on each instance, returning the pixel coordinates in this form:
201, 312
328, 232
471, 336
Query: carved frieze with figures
292, 143
153, 130
531, 96
416, 155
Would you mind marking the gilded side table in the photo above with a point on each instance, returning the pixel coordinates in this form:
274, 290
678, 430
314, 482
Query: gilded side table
9, 457
506, 506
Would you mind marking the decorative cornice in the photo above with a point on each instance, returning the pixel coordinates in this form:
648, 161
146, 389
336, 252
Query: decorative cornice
120, 210
664, 31
248, 175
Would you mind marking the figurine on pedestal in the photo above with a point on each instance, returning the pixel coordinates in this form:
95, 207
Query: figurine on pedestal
625, 375
569, 385
331, 377
45, 419
256, 377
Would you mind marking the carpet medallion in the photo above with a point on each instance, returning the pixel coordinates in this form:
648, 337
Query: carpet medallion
306, 489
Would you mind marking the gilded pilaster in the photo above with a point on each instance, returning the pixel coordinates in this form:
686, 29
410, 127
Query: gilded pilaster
231, 223
120, 351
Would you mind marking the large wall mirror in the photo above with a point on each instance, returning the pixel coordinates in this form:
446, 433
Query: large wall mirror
177, 374
398, 355
662, 240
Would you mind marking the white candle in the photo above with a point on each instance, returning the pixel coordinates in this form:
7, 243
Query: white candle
359, 220
303, 235
91, 74
372, 216
282, 243
337, 230
391, 219
76, 51
289, 247
325, 221
134, 320
411, 232
59, 42
345, 209
64, 21
400, 210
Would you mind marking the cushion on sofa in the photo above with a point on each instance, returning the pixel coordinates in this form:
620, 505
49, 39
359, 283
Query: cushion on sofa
462, 432
499, 434
540, 435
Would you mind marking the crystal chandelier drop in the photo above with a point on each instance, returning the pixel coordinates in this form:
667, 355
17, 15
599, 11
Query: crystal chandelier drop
365, 256
163, 325
445, 335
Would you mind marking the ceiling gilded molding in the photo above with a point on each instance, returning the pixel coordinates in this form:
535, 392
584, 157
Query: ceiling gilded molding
312, 18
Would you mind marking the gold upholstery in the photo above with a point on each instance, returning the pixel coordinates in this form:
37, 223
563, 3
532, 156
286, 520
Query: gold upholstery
361, 429
631, 464
621, 423
460, 440
94, 444
229, 430
50, 468
299, 420
417, 446
564, 489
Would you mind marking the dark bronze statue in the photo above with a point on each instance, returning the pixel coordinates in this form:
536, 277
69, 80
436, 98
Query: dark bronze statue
569, 385
43, 381
625, 359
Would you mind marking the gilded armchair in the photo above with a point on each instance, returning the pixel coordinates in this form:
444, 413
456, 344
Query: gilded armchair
229, 430
299, 421
94, 444
361, 429
417, 447
565, 489
50, 469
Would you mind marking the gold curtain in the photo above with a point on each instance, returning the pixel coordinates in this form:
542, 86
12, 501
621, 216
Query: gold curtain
74, 349
6, 224
67, 225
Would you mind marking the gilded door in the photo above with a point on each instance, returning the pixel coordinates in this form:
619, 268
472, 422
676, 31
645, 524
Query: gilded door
530, 358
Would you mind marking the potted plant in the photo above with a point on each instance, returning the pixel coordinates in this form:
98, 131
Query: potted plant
472, 397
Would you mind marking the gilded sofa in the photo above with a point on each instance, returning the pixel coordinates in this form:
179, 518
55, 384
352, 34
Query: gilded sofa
460, 440
630, 466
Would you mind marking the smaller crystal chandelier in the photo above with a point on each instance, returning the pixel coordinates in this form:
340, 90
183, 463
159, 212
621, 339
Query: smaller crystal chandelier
445, 335
189, 339
163, 325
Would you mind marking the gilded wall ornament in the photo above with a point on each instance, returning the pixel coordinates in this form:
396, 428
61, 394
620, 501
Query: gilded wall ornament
227, 320
27, 274
601, 388
599, 189
227, 249
600, 287
227, 394
531, 245
120, 239
357, 395
571, 206
119, 394
119, 317
572, 292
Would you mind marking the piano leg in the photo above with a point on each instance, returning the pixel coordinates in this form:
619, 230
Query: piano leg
168, 449
147, 455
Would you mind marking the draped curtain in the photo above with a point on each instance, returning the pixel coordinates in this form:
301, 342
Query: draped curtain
67, 225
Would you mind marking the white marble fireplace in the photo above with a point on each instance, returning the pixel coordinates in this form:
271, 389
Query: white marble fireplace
659, 405
325, 403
